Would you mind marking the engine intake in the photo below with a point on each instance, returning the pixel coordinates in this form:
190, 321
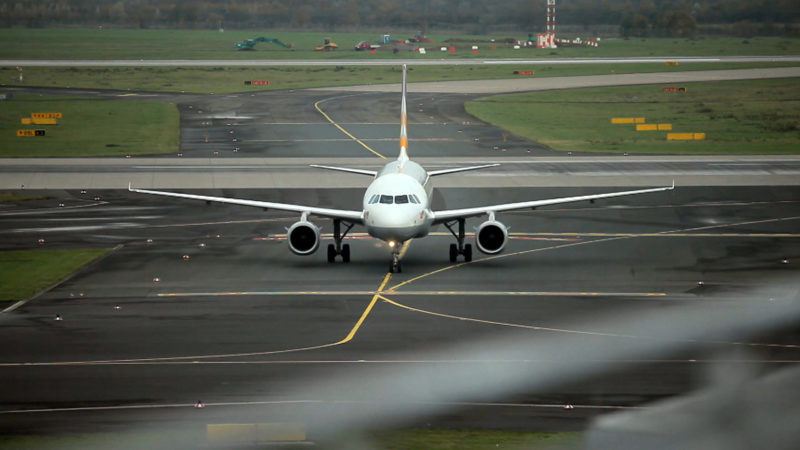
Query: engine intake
303, 238
491, 237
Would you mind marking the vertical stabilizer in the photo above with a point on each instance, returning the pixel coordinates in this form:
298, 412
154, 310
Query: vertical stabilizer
403, 124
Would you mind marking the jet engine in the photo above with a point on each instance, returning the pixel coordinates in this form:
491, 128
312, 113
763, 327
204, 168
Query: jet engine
491, 237
303, 238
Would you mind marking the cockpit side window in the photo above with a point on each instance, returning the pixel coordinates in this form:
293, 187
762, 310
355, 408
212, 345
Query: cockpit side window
413, 199
387, 199
400, 199
374, 199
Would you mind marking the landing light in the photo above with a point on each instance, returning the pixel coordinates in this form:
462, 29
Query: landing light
392, 244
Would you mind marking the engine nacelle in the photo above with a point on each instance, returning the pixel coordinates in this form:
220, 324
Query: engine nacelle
303, 238
491, 237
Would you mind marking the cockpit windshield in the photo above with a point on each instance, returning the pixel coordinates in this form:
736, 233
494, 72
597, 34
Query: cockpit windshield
394, 199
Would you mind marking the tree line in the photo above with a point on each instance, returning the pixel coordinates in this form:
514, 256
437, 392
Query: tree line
633, 17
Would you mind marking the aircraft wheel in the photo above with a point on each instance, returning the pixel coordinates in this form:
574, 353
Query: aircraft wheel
346, 253
468, 252
331, 253
453, 253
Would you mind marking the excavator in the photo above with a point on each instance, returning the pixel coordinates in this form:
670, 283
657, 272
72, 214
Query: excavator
327, 45
249, 44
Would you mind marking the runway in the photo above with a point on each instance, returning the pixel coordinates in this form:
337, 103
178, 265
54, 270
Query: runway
205, 302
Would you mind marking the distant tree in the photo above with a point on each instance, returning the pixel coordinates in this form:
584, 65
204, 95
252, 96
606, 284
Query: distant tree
634, 25
677, 23
117, 12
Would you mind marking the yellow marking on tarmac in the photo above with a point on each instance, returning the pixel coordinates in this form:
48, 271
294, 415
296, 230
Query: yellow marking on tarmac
316, 105
418, 293
366, 312
611, 237
505, 324
582, 332
506, 255
171, 359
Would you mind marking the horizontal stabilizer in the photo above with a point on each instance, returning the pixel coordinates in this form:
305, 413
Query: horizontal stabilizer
371, 173
433, 173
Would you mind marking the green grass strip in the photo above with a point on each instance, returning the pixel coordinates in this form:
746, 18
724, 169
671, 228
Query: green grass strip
445, 439
13, 197
89, 127
738, 117
224, 79
25, 272
416, 438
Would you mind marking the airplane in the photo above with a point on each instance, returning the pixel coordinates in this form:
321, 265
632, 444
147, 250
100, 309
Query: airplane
397, 208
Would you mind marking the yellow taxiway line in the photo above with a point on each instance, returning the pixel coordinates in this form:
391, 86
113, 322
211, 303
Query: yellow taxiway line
347, 133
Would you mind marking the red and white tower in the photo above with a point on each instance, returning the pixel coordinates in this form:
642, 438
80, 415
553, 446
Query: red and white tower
548, 38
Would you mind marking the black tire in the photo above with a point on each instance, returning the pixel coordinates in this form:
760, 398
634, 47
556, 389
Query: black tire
331, 253
453, 253
468, 252
399, 267
346, 253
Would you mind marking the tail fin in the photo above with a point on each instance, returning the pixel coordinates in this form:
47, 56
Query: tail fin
403, 157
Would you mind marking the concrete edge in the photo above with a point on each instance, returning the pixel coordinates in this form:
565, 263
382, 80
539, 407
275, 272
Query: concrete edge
62, 280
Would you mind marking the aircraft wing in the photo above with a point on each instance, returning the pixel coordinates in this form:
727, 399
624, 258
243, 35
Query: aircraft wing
347, 215
433, 173
371, 173
452, 214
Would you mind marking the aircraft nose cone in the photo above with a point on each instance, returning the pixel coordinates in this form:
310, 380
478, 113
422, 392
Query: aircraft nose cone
396, 226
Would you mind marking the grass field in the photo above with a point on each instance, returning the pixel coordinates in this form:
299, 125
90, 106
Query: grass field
12, 197
25, 272
753, 116
441, 439
222, 80
89, 127
109, 43
418, 439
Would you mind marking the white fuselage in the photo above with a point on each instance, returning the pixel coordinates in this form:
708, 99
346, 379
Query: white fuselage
397, 203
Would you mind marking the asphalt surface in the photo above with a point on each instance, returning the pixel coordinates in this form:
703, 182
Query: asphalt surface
242, 320
205, 302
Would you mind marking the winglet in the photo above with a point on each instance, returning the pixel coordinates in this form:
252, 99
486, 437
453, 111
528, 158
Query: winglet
673, 184
403, 157
129, 186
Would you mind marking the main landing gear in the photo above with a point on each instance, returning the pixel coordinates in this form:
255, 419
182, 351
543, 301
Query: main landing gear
460, 248
337, 248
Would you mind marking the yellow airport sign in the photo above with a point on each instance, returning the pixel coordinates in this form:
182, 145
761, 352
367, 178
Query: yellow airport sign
44, 121
685, 136
26, 133
654, 127
25, 121
233, 433
46, 115
627, 120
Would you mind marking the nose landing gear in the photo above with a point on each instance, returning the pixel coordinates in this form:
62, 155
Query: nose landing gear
395, 265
